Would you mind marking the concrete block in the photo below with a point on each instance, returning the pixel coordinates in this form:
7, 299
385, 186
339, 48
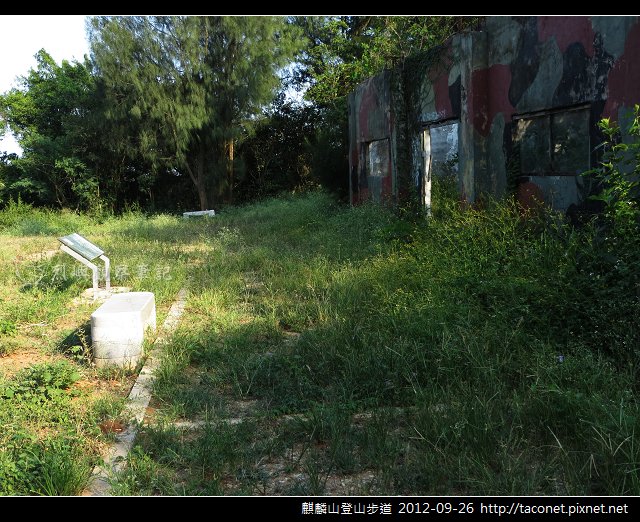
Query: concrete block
118, 328
199, 213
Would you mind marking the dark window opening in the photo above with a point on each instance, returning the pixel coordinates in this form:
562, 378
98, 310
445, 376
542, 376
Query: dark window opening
553, 143
443, 147
377, 158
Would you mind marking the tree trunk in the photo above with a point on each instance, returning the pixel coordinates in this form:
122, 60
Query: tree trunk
228, 146
201, 181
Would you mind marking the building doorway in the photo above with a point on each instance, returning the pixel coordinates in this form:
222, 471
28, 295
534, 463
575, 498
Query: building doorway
440, 156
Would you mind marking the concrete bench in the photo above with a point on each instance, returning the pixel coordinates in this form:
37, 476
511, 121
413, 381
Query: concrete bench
118, 328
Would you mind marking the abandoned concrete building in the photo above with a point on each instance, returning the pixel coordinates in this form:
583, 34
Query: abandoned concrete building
511, 108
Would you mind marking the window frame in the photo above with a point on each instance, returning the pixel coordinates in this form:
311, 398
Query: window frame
367, 158
550, 115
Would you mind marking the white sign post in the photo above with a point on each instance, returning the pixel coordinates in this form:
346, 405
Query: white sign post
84, 251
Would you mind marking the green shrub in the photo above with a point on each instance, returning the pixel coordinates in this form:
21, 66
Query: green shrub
13, 212
606, 300
41, 382
7, 327
618, 173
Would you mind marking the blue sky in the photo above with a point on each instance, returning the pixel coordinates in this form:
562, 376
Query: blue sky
21, 36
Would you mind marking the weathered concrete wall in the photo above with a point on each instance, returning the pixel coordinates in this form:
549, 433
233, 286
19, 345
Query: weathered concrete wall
521, 82
370, 121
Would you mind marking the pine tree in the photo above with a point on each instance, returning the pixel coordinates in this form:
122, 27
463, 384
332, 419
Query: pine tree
190, 83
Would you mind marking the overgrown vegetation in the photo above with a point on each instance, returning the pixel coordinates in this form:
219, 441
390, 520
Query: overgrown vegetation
176, 112
346, 50
328, 349
55, 407
49, 458
325, 349
347, 350
609, 269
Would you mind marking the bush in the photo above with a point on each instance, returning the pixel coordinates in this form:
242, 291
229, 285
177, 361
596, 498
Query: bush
22, 219
41, 382
618, 172
606, 303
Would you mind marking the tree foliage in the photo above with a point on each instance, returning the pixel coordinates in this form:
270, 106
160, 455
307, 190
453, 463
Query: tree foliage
277, 152
171, 109
345, 50
48, 114
190, 83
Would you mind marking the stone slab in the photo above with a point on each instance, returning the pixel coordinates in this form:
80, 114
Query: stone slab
199, 213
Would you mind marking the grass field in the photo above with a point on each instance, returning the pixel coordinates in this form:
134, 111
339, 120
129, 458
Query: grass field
336, 350
55, 407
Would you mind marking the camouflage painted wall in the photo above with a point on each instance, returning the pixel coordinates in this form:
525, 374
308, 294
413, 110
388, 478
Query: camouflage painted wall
528, 93
371, 131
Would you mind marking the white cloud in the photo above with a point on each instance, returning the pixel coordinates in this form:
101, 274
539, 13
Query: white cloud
22, 36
